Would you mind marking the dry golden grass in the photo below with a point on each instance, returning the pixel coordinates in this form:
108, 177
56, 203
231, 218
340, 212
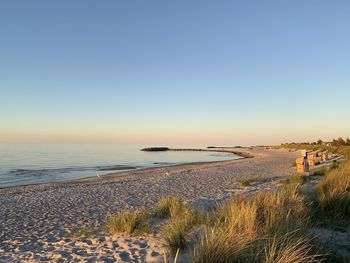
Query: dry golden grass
173, 208
128, 222
286, 249
175, 236
182, 218
333, 193
264, 212
269, 227
163, 207
219, 245
247, 182
179, 210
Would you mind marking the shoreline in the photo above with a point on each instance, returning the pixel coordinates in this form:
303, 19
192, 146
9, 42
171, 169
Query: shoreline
41, 217
241, 154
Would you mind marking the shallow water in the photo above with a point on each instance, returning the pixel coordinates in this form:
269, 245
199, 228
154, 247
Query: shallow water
32, 163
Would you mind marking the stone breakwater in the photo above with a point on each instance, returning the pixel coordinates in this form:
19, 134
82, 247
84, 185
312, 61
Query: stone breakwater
36, 220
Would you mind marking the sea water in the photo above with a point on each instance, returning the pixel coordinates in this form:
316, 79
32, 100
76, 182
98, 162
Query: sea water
34, 163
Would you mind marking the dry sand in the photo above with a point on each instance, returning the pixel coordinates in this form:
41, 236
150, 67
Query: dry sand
36, 220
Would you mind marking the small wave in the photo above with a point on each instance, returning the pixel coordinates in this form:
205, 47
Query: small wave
223, 154
64, 170
163, 163
116, 168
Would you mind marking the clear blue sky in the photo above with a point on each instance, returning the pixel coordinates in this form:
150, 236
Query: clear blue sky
158, 72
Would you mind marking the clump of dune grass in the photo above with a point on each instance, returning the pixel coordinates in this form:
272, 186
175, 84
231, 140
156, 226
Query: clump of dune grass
181, 219
84, 233
320, 172
218, 245
176, 209
251, 230
263, 212
128, 222
286, 249
297, 179
180, 210
171, 207
238, 214
247, 182
293, 182
334, 165
281, 212
163, 207
333, 193
175, 236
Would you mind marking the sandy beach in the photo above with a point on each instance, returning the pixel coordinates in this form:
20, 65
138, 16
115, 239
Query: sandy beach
36, 220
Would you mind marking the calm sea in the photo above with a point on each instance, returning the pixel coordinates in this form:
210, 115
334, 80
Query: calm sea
31, 164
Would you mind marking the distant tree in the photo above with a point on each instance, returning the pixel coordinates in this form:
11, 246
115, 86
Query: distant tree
319, 142
348, 141
335, 142
341, 141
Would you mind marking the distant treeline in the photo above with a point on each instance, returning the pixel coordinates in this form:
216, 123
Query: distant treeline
335, 142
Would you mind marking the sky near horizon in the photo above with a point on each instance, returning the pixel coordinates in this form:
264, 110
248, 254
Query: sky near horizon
174, 72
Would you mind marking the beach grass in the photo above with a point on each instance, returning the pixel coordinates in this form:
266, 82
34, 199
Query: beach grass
286, 249
320, 172
181, 219
296, 179
219, 245
177, 210
331, 201
84, 233
334, 165
333, 193
128, 222
175, 236
163, 206
247, 182
269, 227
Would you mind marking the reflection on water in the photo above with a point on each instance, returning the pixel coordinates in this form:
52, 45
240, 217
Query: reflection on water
28, 164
